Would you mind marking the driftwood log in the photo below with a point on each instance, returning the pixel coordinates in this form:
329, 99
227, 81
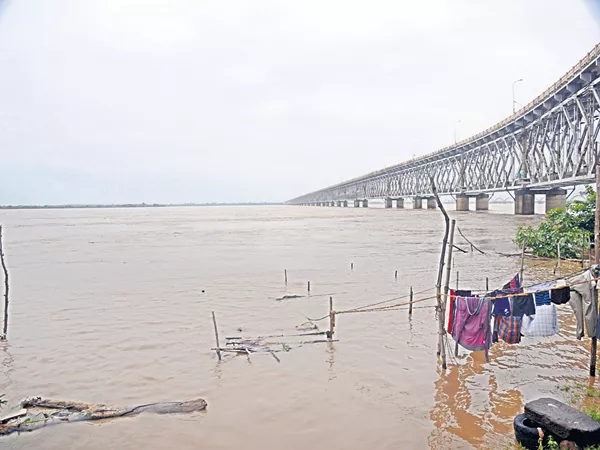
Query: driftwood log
38, 412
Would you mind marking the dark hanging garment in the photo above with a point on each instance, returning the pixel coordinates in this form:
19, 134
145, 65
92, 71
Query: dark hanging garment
560, 296
523, 305
501, 307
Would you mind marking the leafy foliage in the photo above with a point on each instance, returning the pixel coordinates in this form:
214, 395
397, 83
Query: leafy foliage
572, 227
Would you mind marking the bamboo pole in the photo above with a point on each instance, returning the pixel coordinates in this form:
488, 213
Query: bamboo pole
596, 261
331, 318
411, 303
447, 284
396, 275
216, 336
441, 350
487, 284
6, 286
457, 280
285, 273
309, 286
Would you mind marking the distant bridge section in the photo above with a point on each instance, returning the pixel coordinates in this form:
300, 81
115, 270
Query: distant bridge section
549, 144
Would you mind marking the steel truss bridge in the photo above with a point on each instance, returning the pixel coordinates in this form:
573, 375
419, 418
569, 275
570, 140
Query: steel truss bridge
548, 144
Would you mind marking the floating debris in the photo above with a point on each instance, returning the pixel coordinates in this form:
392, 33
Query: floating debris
38, 412
288, 297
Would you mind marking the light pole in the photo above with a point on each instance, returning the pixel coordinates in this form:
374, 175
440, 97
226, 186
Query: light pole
455, 123
513, 91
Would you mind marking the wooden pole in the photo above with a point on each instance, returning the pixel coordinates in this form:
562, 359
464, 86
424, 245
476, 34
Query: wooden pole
411, 302
447, 284
522, 263
441, 349
487, 284
558, 262
457, 280
309, 286
396, 275
331, 318
596, 261
5, 328
351, 266
216, 336
285, 273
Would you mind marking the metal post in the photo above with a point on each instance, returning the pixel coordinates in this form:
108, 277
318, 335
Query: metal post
596, 261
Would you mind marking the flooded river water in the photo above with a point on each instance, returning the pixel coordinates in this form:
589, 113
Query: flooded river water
114, 306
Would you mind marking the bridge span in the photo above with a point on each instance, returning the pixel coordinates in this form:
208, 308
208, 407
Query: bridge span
548, 145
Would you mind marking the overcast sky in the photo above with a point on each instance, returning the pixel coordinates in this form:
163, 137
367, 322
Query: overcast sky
192, 101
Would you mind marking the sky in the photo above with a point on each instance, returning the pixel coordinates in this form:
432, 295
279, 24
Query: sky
119, 101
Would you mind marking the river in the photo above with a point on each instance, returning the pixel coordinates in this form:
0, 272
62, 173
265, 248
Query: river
114, 306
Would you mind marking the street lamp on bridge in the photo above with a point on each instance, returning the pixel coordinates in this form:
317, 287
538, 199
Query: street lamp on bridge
455, 124
513, 92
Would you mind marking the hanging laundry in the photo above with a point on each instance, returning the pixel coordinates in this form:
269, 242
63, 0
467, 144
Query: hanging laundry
560, 296
454, 293
501, 306
472, 323
509, 328
584, 302
541, 293
523, 305
513, 284
544, 323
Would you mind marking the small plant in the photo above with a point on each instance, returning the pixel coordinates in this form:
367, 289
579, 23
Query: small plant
551, 445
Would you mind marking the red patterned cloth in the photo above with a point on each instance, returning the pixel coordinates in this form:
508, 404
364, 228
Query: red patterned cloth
451, 312
509, 328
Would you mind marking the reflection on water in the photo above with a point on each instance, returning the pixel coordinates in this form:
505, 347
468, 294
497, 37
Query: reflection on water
114, 306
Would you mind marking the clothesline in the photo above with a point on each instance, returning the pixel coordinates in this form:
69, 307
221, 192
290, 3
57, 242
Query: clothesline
390, 307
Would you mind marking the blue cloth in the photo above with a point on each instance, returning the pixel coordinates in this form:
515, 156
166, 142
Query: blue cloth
541, 298
501, 307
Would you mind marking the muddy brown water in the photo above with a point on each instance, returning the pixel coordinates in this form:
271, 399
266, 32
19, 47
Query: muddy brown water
108, 307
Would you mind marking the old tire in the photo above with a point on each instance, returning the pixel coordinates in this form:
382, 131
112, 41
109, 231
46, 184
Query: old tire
526, 432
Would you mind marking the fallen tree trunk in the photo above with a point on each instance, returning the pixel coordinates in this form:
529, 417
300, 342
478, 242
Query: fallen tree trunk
44, 412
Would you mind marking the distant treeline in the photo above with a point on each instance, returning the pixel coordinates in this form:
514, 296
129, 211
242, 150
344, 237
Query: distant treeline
131, 205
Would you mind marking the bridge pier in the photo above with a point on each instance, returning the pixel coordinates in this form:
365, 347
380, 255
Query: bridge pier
417, 203
482, 202
357, 203
431, 204
388, 203
462, 202
345, 203
339, 204
400, 203
556, 198
365, 203
524, 202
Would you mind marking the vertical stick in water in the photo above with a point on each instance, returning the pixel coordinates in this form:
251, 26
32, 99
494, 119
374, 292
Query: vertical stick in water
285, 273
216, 336
411, 302
457, 280
309, 286
396, 275
351, 266
487, 284
331, 318
5, 329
